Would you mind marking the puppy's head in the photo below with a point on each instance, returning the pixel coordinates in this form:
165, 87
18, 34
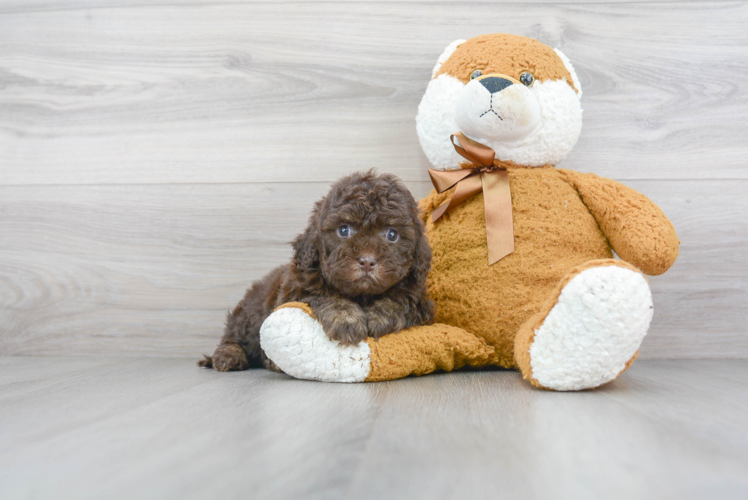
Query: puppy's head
512, 93
365, 236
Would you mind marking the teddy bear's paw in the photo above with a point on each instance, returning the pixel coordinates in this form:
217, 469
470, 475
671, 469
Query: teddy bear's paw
295, 341
594, 330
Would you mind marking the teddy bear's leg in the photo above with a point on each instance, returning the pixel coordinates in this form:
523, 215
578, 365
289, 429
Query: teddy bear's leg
588, 330
295, 341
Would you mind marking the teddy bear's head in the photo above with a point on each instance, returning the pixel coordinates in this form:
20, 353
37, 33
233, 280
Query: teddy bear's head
512, 93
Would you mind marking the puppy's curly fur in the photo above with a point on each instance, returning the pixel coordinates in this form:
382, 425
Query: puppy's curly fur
361, 265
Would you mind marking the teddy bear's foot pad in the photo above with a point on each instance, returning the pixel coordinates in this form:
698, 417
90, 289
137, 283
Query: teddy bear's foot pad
298, 345
593, 331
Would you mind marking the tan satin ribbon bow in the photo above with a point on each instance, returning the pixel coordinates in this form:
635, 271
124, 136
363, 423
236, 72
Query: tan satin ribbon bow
497, 198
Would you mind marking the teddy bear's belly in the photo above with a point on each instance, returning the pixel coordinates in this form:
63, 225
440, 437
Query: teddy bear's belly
553, 232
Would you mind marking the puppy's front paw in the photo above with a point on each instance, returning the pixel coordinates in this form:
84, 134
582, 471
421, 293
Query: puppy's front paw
344, 322
383, 317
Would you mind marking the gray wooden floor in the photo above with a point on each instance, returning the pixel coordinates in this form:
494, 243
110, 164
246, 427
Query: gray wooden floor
162, 428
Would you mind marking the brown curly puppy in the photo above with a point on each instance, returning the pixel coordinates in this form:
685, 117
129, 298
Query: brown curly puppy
361, 265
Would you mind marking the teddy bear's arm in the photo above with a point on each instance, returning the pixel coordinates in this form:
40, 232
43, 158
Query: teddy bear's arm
295, 341
636, 228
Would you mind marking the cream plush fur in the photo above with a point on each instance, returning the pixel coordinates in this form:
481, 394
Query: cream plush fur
553, 135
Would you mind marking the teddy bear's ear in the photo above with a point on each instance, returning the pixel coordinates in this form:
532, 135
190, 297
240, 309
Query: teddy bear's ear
445, 55
570, 69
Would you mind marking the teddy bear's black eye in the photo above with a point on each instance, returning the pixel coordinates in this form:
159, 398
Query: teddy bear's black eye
392, 235
527, 79
344, 231
475, 74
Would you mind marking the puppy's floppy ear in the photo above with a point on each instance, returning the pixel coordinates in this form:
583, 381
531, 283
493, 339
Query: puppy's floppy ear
306, 245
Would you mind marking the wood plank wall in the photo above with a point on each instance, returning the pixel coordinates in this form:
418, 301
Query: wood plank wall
155, 159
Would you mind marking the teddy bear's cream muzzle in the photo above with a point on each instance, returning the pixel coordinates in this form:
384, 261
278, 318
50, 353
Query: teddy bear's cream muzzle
497, 108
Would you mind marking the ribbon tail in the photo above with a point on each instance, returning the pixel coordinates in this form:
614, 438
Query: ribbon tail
465, 189
497, 199
439, 211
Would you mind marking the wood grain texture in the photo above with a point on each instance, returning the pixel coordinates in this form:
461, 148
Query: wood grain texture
14, 6
155, 159
154, 269
145, 428
266, 91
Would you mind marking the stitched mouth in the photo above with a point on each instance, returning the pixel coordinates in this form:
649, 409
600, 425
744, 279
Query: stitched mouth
491, 110
494, 112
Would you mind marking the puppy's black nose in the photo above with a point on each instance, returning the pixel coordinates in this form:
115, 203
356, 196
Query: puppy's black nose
495, 84
367, 263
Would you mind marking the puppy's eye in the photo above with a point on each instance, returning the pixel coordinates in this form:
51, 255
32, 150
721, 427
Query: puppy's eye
344, 231
475, 74
392, 235
527, 79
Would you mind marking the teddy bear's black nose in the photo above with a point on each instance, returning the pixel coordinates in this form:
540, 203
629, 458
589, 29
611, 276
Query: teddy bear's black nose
495, 84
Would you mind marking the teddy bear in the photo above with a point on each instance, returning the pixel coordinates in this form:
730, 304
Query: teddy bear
523, 272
